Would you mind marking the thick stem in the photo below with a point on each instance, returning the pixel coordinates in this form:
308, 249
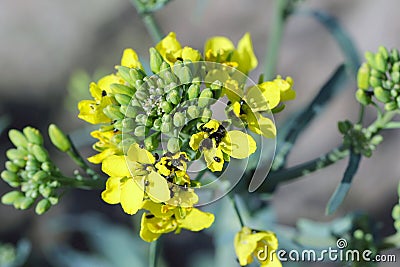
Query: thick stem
86, 184
153, 251
275, 39
151, 25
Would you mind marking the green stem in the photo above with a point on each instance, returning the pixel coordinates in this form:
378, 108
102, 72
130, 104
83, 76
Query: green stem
275, 39
151, 25
153, 251
87, 184
236, 208
78, 159
289, 174
390, 242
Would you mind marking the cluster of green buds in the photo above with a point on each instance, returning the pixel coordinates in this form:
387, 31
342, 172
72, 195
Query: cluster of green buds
30, 170
361, 140
379, 78
172, 102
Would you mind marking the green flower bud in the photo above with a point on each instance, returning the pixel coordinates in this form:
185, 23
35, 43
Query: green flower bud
136, 75
19, 162
207, 114
185, 75
370, 57
391, 106
376, 140
59, 139
151, 81
166, 107
112, 111
40, 176
394, 93
14, 154
157, 124
388, 84
374, 82
130, 112
10, 197
168, 77
396, 67
384, 52
155, 60
53, 200
128, 125
396, 212
380, 63
43, 206
141, 119
344, 126
394, 53
46, 166
166, 127
18, 138
363, 76
139, 84
193, 91
151, 143
117, 88
395, 76
141, 131
206, 96
179, 119
40, 153
11, 166
193, 112
32, 165
123, 99
397, 225
124, 73
45, 191
173, 145
118, 125
166, 118
173, 96
141, 95
26, 203
398, 100
33, 135
10, 177
382, 94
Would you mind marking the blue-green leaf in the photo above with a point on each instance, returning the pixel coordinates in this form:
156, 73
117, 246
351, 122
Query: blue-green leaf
344, 186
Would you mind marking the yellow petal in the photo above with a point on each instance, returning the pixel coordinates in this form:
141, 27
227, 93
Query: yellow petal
115, 166
232, 90
95, 91
141, 155
157, 209
236, 109
132, 195
197, 220
238, 145
158, 189
98, 158
244, 246
145, 233
130, 59
214, 158
168, 45
245, 55
218, 49
91, 112
271, 93
195, 140
261, 125
105, 82
112, 193
211, 126
188, 53
161, 225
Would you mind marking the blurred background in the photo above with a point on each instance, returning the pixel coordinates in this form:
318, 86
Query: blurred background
44, 43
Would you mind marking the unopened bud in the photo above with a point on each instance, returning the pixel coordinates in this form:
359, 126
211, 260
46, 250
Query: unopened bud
117, 88
40, 153
374, 82
12, 167
123, 72
179, 119
137, 75
173, 96
391, 106
173, 145
380, 63
363, 77
193, 112
10, 197
205, 97
140, 131
382, 94
166, 107
193, 91
185, 75
394, 53
123, 99
151, 143
33, 135
18, 138
363, 97
155, 60
42, 206
112, 111
14, 154
58, 138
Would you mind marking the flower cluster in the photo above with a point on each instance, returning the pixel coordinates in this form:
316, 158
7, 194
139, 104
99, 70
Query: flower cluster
381, 72
30, 169
152, 127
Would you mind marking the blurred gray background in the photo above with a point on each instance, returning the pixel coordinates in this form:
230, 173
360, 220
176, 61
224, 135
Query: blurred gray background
44, 41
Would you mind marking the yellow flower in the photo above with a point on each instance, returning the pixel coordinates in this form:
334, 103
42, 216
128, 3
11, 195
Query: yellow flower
133, 179
92, 110
130, 59
161, 221
221, 49
174, 166
218, 144
261, 98
105, 145
261, 245
171, 50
